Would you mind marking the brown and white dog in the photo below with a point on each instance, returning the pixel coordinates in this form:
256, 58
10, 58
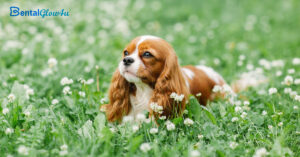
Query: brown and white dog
148, 73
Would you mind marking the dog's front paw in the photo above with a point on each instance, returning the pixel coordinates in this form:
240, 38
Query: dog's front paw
103, 107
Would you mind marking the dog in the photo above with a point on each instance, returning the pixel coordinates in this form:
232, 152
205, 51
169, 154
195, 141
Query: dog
149, 79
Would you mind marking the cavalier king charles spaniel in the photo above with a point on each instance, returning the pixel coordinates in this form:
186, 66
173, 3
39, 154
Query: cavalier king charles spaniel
149, 73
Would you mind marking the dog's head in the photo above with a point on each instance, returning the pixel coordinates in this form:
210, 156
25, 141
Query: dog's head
144, 59
150, 60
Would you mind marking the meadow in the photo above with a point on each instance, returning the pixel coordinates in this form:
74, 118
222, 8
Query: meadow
55, 73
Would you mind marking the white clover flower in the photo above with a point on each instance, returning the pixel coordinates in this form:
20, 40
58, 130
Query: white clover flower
287, 90
148, 120
297, 98
277, 63
227, 89
200, 136
5, 111
156, 108
246, 108
113, 130
295, 107
82, 94
288, 80
185, 112
90, 81
217, 89
177, 97
240, 63
135, 128
46, 72
9, 131
173, 95
67, 90
237, 103
27, 113
272, 91
23, 150
291, 71
64, 147
270, 127
188, 122
273, 116
127, 119
153, 131
29, 92
87, 69
242, 57
279, 113
145, 147
194, 153
81, 80
278, 73
25, 51
246, 103
63, 153
170, 126
261, 152
233, 145
266, 64
296, 61
178, 27
11, 98
297, 81
52, 62
66, 81
250, 67
103, 100
280, 123
140, 117
54, 101
237, 109
26, 86
293, 94
198, 94
264, 113
162, 117
243, 115
234, 119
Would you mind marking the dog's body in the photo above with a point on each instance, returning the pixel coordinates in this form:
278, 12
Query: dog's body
150, 73
199, 80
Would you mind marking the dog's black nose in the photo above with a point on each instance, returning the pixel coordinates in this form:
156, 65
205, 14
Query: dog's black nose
128, 60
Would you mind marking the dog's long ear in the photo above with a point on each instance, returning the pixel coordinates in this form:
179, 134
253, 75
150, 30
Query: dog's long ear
170, 80
119, 103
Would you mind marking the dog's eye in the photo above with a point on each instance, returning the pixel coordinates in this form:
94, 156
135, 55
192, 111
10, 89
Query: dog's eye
147, 54
126, 53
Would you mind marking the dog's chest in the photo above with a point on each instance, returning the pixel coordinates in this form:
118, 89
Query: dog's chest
140, 100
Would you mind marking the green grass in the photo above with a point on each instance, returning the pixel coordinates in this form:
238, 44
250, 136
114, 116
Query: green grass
216, 32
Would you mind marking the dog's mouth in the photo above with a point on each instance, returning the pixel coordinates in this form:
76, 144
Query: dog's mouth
130, 73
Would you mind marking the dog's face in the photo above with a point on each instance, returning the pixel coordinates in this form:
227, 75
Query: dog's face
144, 59
149, 60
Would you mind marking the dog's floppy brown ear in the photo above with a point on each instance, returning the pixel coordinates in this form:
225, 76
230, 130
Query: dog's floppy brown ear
170, 80
119, 103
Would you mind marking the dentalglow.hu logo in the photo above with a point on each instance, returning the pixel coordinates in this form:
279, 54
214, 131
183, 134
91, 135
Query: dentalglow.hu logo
15, 11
